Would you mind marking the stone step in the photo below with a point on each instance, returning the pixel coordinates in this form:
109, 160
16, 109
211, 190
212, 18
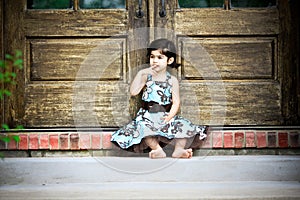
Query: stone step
207, 177
136, 169
258, 190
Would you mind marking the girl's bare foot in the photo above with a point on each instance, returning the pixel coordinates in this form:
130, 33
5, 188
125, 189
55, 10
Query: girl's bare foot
182, 153
157, 153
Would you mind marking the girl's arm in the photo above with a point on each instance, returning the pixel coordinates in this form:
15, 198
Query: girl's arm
175, 100
140, 80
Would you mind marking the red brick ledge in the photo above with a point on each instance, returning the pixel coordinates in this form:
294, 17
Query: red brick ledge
217, 139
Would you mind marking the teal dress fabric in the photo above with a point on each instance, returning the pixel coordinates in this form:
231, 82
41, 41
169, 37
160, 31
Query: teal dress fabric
151, 124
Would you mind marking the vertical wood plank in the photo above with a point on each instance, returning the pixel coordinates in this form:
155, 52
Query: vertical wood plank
1, 57
138, 37
14, 40
289, 60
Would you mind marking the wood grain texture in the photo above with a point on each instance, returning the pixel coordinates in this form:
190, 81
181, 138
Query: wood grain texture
233, 58
252, 80
107, 104
71, 104
14, 40
1, 57
289, 59
61, 59
227, 22
231, 103
79, 23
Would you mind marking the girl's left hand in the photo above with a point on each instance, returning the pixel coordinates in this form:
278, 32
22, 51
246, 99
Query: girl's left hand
166, 119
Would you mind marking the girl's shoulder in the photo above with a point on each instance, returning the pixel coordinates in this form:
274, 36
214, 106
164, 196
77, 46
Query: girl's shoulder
174, 80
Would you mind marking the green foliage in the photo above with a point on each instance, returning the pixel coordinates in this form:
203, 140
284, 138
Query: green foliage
7, 77
8, 138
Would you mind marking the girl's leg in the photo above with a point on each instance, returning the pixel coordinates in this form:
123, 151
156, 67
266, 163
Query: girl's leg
180, 151
157, 151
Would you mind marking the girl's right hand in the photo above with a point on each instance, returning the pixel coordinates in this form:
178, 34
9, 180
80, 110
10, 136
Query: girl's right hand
149, 70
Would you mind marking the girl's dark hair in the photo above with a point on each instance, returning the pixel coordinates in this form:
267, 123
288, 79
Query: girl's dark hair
166, 47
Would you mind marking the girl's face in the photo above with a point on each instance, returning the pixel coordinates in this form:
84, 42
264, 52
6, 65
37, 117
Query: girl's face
159, 61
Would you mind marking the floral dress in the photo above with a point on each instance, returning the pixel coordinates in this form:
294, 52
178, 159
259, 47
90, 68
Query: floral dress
148, 123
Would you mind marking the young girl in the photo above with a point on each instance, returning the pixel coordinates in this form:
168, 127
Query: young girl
156, 123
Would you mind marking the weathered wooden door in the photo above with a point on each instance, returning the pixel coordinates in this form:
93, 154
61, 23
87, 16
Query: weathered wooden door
229, 70
79, 62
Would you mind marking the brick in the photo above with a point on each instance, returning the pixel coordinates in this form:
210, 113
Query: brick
96, 141
283, 140
272, 139
250, 139
33, 141
228, 140
239, 140
217, 139
261, 139
106, 143
44, 141
294, 139
23, 144
12, 144
64, 141
85, 141
74, 141
53, 142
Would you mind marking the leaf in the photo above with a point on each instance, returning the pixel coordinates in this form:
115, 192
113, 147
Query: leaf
6, 92
5, 127
18, 128
6, 77
2, 64
9, 57
18, 63
13, 75
5, 139
16, 138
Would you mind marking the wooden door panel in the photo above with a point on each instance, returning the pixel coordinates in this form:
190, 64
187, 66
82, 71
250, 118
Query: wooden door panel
80, 23
231, 103
60, 59
55, 68
222, 22
235, 58
96, 104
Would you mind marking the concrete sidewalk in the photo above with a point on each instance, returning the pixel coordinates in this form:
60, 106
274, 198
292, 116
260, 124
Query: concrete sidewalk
212, 177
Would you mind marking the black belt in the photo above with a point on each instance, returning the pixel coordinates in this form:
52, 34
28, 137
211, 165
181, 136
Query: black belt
154, 107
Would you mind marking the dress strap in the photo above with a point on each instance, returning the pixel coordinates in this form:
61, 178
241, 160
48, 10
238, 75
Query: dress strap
168, 76
168, 80
149, 77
